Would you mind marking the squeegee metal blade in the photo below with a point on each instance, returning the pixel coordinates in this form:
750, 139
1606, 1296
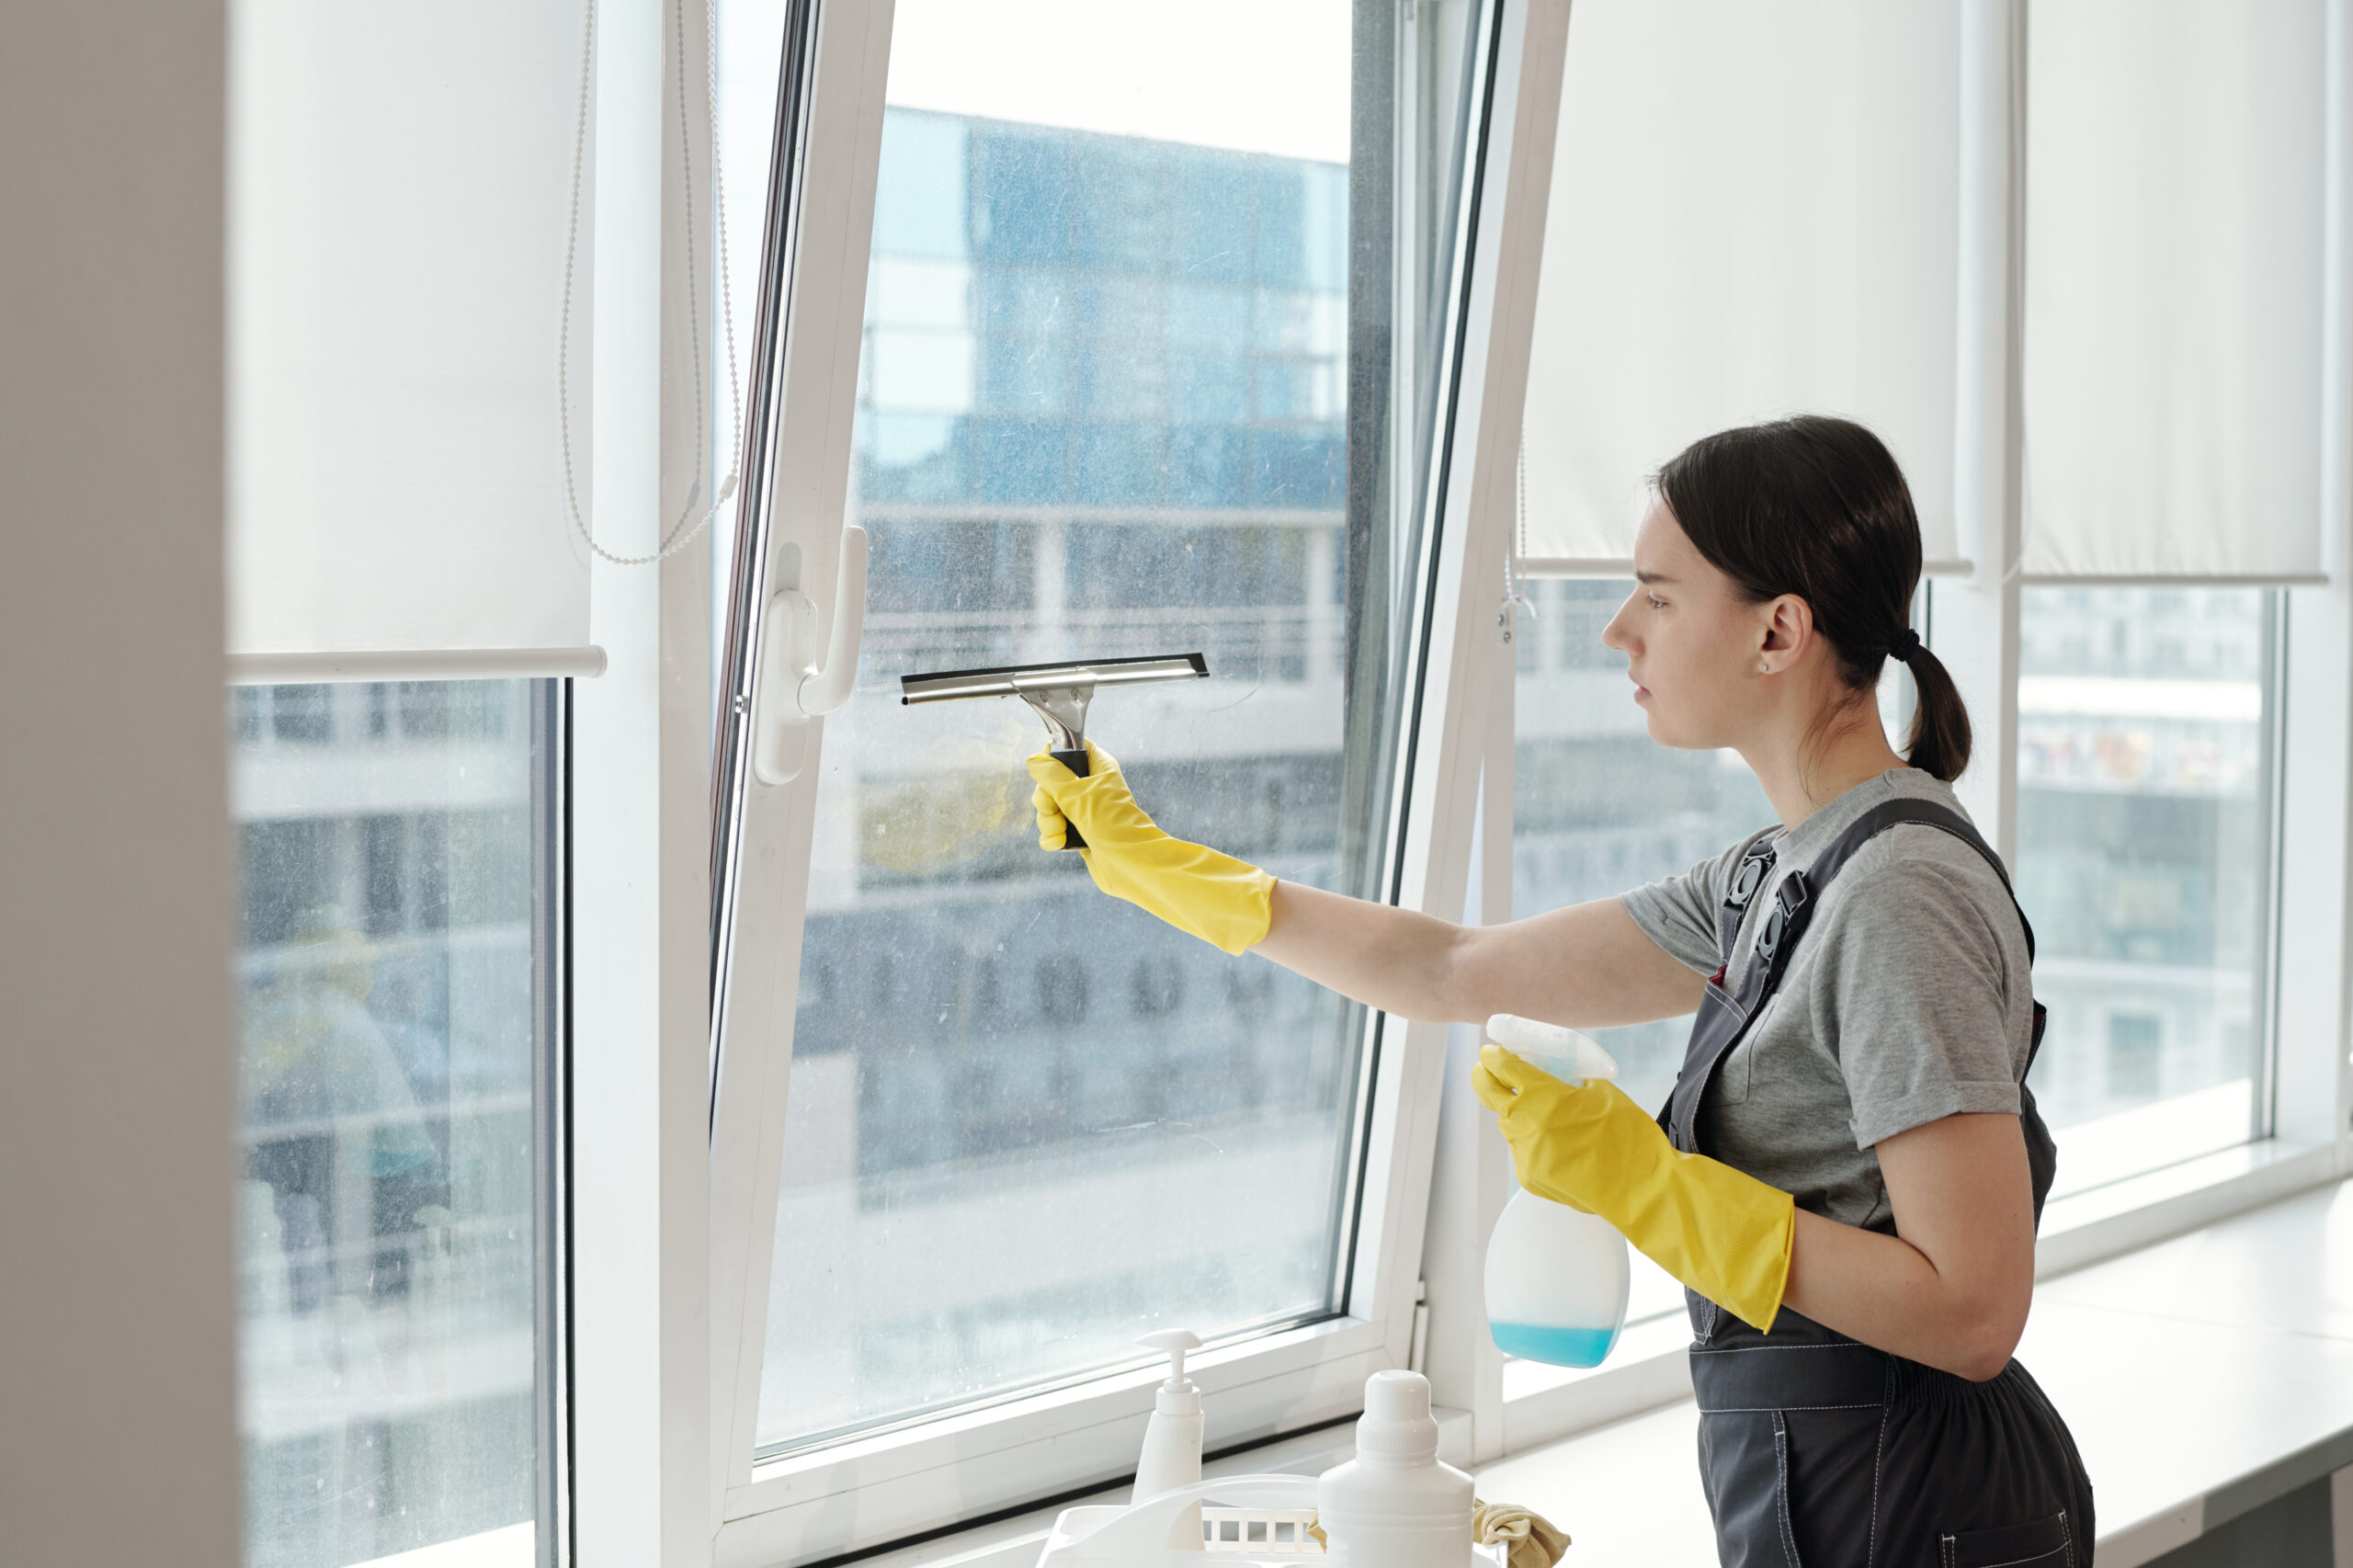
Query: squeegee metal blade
1012, 680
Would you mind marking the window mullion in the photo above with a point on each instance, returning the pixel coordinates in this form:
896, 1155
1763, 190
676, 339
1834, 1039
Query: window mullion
1974, 623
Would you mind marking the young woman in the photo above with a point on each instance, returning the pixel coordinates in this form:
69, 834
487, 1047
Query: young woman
1848, 1173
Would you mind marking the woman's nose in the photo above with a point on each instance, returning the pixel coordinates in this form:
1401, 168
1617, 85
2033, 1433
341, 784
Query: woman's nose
1614, 634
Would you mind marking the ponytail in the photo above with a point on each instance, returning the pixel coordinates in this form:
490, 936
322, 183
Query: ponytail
1940, 740
1817, 507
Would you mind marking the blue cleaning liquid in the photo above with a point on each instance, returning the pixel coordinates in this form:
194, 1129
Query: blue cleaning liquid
1559, 1347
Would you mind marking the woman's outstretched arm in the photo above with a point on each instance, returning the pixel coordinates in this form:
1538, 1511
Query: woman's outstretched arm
1588, 966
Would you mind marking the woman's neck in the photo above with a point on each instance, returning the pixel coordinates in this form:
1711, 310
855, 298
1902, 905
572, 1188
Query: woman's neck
1802, 778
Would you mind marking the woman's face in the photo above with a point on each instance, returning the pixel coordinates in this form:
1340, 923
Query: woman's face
1692, 646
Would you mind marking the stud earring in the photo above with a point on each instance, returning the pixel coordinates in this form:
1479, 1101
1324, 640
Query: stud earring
1765, 668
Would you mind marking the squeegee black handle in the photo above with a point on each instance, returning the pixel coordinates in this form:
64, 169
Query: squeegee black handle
1076, 762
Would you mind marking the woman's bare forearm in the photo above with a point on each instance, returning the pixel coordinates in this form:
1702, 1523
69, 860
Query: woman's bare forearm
1588, 966
1885, 1291
1396, 959
1952, 1287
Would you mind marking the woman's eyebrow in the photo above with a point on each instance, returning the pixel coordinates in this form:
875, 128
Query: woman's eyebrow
1649, 579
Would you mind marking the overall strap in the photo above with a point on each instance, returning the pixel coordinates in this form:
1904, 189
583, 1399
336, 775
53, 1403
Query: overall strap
1755, 866
1818, 876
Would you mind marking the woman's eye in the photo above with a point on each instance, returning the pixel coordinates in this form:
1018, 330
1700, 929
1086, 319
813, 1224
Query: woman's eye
1657, 603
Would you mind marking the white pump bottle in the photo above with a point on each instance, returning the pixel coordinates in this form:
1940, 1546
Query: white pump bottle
1172, 1439
1556, 1278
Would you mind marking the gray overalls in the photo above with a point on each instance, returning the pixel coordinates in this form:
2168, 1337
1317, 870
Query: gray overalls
1816, 1451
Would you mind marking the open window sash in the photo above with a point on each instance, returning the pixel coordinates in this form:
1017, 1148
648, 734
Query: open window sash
887, 1474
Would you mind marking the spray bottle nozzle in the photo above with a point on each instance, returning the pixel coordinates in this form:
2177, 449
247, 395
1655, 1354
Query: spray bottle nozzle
1565, 1053
1174, 1343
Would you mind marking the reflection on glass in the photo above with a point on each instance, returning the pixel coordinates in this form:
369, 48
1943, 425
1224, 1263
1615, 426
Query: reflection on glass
1102, 411
1599, 807
385, 972
2144, 725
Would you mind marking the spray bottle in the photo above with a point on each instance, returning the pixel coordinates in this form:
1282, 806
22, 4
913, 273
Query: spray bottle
1556, 1278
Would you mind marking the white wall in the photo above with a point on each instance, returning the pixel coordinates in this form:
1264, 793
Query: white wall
118, 1377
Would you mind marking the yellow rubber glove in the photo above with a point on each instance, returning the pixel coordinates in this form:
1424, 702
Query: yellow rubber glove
1222, 900
1722, 1233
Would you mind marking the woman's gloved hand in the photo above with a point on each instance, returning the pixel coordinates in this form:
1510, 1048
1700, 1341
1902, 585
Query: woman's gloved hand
1222, 900
1726, 1234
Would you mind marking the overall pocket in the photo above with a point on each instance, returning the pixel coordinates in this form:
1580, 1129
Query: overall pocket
2045, 1543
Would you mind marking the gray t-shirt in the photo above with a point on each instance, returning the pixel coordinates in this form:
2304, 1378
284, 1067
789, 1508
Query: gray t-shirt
1908, 999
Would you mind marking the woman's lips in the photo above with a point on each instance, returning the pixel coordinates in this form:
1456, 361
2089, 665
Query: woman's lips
1641, 692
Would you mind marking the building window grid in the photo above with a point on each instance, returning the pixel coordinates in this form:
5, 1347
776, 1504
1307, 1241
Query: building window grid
1061, 373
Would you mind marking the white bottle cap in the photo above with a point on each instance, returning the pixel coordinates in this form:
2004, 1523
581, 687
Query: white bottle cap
1397, 1422
1565, 1053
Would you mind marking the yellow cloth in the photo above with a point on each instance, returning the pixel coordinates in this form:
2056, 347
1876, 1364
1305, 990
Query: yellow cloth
1536, 1542
1722, 1233
1222, 900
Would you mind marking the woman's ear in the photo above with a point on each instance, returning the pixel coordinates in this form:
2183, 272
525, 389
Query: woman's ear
1788, 628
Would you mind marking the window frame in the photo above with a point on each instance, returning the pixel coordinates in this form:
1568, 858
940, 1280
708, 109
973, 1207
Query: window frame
871, 1489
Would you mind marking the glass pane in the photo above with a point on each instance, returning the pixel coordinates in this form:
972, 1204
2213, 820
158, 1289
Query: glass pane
2146, 717
386, 974
1599, 807
1107, 407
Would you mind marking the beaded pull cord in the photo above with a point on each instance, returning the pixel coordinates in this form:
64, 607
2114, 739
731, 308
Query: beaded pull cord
681, 535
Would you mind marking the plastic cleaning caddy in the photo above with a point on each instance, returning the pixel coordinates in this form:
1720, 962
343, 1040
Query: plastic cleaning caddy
1245, 1519
1556, 1278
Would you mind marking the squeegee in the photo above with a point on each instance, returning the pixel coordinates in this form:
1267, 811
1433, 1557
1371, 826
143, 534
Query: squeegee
1059, 692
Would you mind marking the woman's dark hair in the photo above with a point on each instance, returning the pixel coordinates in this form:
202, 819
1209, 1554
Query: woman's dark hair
1816, 508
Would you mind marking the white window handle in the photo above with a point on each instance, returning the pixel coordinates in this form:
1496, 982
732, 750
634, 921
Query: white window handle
793, 689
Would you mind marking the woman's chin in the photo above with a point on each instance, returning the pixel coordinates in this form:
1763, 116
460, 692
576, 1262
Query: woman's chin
1666, 732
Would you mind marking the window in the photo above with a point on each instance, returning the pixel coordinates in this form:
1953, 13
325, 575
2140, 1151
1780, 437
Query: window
2148, 727
1100, 414
398, 1041
1138, 373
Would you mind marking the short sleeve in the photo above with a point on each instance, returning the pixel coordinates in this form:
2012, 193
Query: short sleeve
1913, 987
1680, 913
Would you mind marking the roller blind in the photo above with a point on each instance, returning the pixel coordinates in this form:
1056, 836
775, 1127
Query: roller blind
1754, 212
400, 177
2173, 301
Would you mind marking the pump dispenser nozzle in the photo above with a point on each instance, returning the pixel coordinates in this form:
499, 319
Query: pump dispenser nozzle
1172, 1439
1174, 1343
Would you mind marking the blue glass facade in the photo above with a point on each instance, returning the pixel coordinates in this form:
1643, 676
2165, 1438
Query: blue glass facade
1068, 320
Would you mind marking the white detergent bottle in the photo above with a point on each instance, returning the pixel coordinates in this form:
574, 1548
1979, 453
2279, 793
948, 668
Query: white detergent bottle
1172, 1439
1556, 1278
1394, 1505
